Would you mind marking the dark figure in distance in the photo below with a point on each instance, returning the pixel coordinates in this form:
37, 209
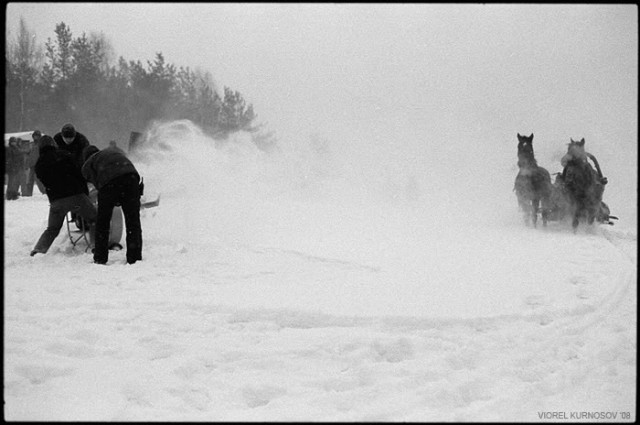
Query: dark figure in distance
15, 159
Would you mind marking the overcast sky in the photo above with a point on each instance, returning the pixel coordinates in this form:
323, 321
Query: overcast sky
418, 71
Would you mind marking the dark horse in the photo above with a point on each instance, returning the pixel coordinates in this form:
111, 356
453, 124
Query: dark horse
533, 183
582, 185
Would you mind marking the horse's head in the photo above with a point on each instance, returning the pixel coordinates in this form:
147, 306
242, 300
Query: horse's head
525, 149
576, 150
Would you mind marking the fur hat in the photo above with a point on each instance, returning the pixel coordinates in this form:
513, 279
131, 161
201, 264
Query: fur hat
36, 133
68, 131
46, 141
88, 151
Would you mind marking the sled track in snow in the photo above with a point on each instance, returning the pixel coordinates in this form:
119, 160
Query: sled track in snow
575, 321
555, 320
315, 258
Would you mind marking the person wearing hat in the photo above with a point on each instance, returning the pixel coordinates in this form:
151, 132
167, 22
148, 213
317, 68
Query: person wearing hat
118, 183
25, 146
66, 190
68, 139
14, 163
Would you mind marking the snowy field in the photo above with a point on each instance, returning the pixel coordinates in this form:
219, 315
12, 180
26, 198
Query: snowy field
304, 286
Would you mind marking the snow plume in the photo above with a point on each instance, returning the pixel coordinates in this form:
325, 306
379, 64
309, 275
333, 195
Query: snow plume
343, 189
350, 168
352, 196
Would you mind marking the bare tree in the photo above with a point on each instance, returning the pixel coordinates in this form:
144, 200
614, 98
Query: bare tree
24, 62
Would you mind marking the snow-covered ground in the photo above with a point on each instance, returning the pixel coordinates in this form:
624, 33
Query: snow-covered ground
302, 286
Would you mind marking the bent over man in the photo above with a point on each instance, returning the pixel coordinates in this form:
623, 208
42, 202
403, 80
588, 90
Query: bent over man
118, 183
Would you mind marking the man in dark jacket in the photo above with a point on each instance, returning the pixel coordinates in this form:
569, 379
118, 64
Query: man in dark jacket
73, 142
118, 183
66, 189
15, 159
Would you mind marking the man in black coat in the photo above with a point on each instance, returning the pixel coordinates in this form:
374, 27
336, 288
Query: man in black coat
68, 139
15, 159
118, 183
66, 190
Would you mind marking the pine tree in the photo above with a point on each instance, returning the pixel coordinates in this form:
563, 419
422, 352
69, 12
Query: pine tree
76, 83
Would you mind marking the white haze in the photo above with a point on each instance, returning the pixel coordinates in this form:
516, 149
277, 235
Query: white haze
375, 205
321, 283
441, 183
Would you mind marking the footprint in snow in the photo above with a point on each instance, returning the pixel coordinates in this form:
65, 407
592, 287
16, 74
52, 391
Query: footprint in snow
196, 398
262, 395
38, 374
84, 335
393, 351
534, 301
582, 295
71, 349
578, 280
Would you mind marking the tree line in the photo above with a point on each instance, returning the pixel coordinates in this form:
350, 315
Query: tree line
72, 80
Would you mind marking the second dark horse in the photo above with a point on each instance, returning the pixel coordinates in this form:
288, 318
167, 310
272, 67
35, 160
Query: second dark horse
584, 186
533, 183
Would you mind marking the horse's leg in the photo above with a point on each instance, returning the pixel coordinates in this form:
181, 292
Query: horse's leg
548, 207
591, 214
544, 210
576, 216
582, 212
535, 202
524, 206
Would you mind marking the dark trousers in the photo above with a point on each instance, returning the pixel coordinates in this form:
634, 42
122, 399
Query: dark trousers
79, 204
125, 191
13, 185
24, 189
31, 181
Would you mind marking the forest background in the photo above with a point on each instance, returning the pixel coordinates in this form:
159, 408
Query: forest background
74, 79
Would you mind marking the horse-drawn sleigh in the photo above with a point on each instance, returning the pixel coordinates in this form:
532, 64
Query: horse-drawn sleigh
575, 194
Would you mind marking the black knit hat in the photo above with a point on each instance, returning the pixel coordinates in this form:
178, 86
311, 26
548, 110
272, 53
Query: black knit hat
88, 151
47, 140
36, 133
68, 131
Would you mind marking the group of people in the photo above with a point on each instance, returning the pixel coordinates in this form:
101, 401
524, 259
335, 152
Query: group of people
66, 163
20, 159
